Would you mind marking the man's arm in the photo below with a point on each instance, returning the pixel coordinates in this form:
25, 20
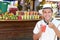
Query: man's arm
56, 31
51, 25
37, 36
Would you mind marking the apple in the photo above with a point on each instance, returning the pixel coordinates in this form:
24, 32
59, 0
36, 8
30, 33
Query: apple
19, 17
43, 28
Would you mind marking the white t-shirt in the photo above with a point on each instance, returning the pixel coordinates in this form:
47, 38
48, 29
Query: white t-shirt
49, 33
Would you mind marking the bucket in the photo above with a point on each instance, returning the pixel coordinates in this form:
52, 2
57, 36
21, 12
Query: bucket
3, 7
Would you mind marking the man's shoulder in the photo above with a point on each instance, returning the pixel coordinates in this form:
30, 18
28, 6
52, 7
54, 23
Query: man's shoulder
56, 20
39, 21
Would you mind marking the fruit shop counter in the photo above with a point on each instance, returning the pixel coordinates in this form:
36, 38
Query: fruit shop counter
16, 29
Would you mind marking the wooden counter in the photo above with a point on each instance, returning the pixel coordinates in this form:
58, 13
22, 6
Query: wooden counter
16, 30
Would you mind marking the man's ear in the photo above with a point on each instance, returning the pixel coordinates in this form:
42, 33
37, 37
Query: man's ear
42, 16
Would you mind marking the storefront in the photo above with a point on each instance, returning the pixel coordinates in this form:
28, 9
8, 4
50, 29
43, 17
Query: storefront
18, 19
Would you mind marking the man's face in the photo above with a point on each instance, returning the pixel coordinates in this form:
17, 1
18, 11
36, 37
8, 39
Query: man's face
47, 14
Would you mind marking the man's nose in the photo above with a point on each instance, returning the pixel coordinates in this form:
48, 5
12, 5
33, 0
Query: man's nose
47, 13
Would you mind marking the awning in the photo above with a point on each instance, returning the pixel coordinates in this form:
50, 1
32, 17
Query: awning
53, 0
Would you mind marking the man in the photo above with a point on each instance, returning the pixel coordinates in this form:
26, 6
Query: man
52, 26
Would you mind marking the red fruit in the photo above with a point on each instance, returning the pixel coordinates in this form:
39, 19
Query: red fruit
19, 18
13, 10
43, 28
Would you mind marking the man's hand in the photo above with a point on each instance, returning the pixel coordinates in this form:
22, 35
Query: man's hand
43, 28
51, 25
